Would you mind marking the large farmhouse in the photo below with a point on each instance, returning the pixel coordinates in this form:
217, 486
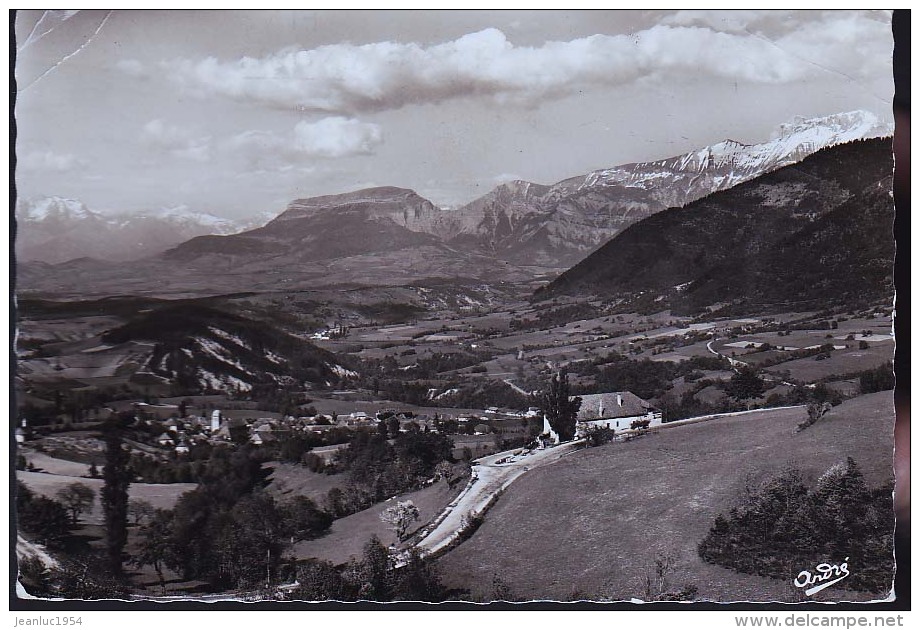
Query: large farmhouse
614, 410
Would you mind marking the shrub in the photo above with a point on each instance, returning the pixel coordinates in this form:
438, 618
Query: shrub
598, 436
783, 526
45, 519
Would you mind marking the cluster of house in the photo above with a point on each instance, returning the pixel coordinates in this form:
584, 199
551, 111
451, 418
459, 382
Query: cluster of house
219, 428
180, 433
617, 411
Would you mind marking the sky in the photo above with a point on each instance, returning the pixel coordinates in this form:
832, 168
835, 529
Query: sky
238, 113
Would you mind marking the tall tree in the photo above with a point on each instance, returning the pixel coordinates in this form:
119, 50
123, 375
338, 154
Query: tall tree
560, 409
375, 572
116, 476
418, 580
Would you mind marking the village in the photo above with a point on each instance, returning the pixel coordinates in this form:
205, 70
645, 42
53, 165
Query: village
175, 429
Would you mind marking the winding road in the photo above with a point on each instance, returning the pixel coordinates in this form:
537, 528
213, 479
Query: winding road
491, 475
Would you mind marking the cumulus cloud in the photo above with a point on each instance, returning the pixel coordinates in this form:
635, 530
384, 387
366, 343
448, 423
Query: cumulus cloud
49, 161
332, 137
336, 137
176, 141
348, 78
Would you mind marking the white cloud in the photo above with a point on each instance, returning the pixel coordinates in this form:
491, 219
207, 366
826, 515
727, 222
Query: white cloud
332, 137
773, 22
50, 161
348, 78
336, 137
176, 141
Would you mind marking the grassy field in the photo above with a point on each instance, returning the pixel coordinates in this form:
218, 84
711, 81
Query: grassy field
348, 535
90, 532
289, 480
593, 523
159, 495
840, 362
55, 466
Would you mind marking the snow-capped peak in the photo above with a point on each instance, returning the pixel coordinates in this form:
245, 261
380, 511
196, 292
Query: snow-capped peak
183, 215
729, 163
55, 229
53, 208
836, 128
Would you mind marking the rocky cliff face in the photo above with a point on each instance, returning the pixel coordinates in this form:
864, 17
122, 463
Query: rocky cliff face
564, 222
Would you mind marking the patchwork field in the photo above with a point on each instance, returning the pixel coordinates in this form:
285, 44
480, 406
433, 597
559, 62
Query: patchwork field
592, 524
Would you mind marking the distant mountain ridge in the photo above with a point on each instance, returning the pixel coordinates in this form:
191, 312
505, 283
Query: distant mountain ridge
519, 231
526, 223
817, 232
56, 229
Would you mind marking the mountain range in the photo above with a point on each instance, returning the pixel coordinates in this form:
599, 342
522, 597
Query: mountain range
55, 230
558, 225
809, 235
518, 232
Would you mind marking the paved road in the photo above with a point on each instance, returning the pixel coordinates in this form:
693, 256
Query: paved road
491, 475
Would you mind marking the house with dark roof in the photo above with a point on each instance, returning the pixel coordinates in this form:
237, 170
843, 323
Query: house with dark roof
614, 410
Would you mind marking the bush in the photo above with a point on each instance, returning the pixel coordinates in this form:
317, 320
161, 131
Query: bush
782, 527
877, 380
745, 384
598, 436
314, 462
45, 519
